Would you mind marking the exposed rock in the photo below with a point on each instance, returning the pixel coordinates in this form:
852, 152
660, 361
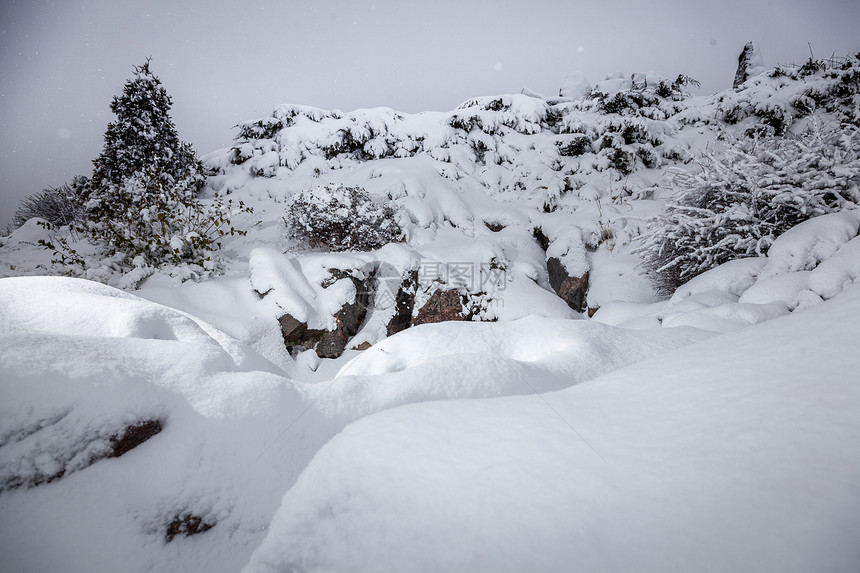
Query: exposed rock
134, 436
572, 289
404, 303
337, 275
84, 453
363, 346
187, 524
750, 63
297, 333
331, 343
442, 306
541, 238
532, 93
349, 319
494, 226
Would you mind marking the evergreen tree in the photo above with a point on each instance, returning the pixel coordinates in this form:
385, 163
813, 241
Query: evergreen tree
143, 139
141, 206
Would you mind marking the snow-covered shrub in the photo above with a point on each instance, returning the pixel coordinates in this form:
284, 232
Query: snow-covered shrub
577, 145
341, 219
742, 200
160, 222
638, 98
57, 205
770, 103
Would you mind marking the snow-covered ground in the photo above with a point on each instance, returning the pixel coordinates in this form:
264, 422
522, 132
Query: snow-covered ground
738, 453
734, 452
166, 426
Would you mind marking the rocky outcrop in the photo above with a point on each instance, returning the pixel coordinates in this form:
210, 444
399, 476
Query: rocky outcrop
349, 319
570, 288
750, 63
331, 343
404, 303
440, 302
443, 306
297, 333
79, 454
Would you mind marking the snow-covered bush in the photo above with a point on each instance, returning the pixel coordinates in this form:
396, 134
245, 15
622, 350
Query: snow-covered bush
160, 222
341, 219
742, 200
57, 205
636, 97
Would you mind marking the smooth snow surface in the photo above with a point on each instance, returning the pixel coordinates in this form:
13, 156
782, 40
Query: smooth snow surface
735, 454
82, 362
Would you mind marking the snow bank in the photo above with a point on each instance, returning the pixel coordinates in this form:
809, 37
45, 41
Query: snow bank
477, 360
729, 455
82, 365
781, 288
732, 277
804, 246
838, 272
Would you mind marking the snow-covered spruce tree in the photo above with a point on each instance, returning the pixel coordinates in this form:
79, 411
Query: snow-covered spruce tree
742, 200
141, 206
340, 219
143, 137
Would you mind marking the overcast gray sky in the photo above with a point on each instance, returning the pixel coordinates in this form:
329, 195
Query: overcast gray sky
228, 61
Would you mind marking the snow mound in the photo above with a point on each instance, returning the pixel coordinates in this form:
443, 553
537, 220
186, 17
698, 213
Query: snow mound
781, 288
652, 468
132, 432
575, 86
122, 421
803, 246
732, 277
304, 287
478, 360
838, 272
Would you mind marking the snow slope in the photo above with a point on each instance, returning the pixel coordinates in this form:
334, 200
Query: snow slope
82, 362
733, 454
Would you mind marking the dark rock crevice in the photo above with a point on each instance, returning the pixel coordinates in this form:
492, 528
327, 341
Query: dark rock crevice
331, 343
573, 290
404, 303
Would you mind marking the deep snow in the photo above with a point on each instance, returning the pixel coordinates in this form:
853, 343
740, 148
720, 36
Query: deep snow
711, 431
738, 453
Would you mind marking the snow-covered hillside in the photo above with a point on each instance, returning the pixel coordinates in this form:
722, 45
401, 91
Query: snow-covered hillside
503, 387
